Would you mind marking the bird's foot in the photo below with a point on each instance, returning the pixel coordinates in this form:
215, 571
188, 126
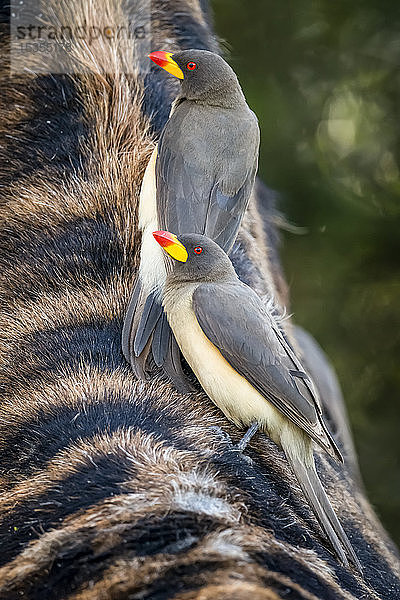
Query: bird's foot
247, 436
240, 447
240, 452
224, 437
242, 444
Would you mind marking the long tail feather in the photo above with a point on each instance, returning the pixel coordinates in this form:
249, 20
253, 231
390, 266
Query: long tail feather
161, 339
128, 334
146, 330
322, 508
134, 333
336, 454
139, 363
152, 312
173, 367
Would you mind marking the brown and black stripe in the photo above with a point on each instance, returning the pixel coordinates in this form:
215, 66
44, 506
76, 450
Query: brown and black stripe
112, 488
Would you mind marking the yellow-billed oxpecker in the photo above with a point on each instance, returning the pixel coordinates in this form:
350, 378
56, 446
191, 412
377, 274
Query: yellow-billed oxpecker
199, 179
242, 358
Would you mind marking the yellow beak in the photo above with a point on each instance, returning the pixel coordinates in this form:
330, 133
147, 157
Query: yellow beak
164, 60
170, 243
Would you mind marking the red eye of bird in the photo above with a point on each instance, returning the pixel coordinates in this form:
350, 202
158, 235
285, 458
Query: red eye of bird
191, 66
198, 250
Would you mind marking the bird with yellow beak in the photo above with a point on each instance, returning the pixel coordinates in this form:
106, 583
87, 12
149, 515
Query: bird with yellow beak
199, 179
245, 364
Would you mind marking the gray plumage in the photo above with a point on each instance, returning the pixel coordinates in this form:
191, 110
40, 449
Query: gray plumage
205, 170
250, 339
206, 164
243, 360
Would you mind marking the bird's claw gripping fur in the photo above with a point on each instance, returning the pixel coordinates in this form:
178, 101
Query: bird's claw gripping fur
223, 436
240, 452
226, 438
242, 444
252, 430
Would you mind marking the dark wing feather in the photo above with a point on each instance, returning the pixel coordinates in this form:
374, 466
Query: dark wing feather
206, 164
235, 320
203, 181
152, 312
127, 342
159, 346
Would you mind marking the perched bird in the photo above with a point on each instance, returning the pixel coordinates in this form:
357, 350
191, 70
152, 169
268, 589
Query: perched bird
199, 178
240, 355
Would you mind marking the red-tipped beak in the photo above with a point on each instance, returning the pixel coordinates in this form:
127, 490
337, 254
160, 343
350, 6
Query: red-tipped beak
164, 60
170, 243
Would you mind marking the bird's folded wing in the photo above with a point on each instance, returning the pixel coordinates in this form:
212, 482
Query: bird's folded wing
193, 195
234, 319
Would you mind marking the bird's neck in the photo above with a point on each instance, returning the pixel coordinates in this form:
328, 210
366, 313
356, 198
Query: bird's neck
179, 282
177, 292
223, 96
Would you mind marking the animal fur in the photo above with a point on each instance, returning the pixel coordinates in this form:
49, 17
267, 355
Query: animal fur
111, 488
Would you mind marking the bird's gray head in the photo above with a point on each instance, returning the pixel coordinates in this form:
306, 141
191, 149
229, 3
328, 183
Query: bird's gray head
205, 76
195, 258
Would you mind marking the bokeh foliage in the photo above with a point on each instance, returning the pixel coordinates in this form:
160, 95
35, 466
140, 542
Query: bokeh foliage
324, 80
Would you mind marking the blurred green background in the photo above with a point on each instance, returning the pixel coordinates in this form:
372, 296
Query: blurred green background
324, 80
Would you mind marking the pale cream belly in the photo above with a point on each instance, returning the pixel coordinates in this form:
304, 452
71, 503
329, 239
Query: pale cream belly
232, 393
152, 271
